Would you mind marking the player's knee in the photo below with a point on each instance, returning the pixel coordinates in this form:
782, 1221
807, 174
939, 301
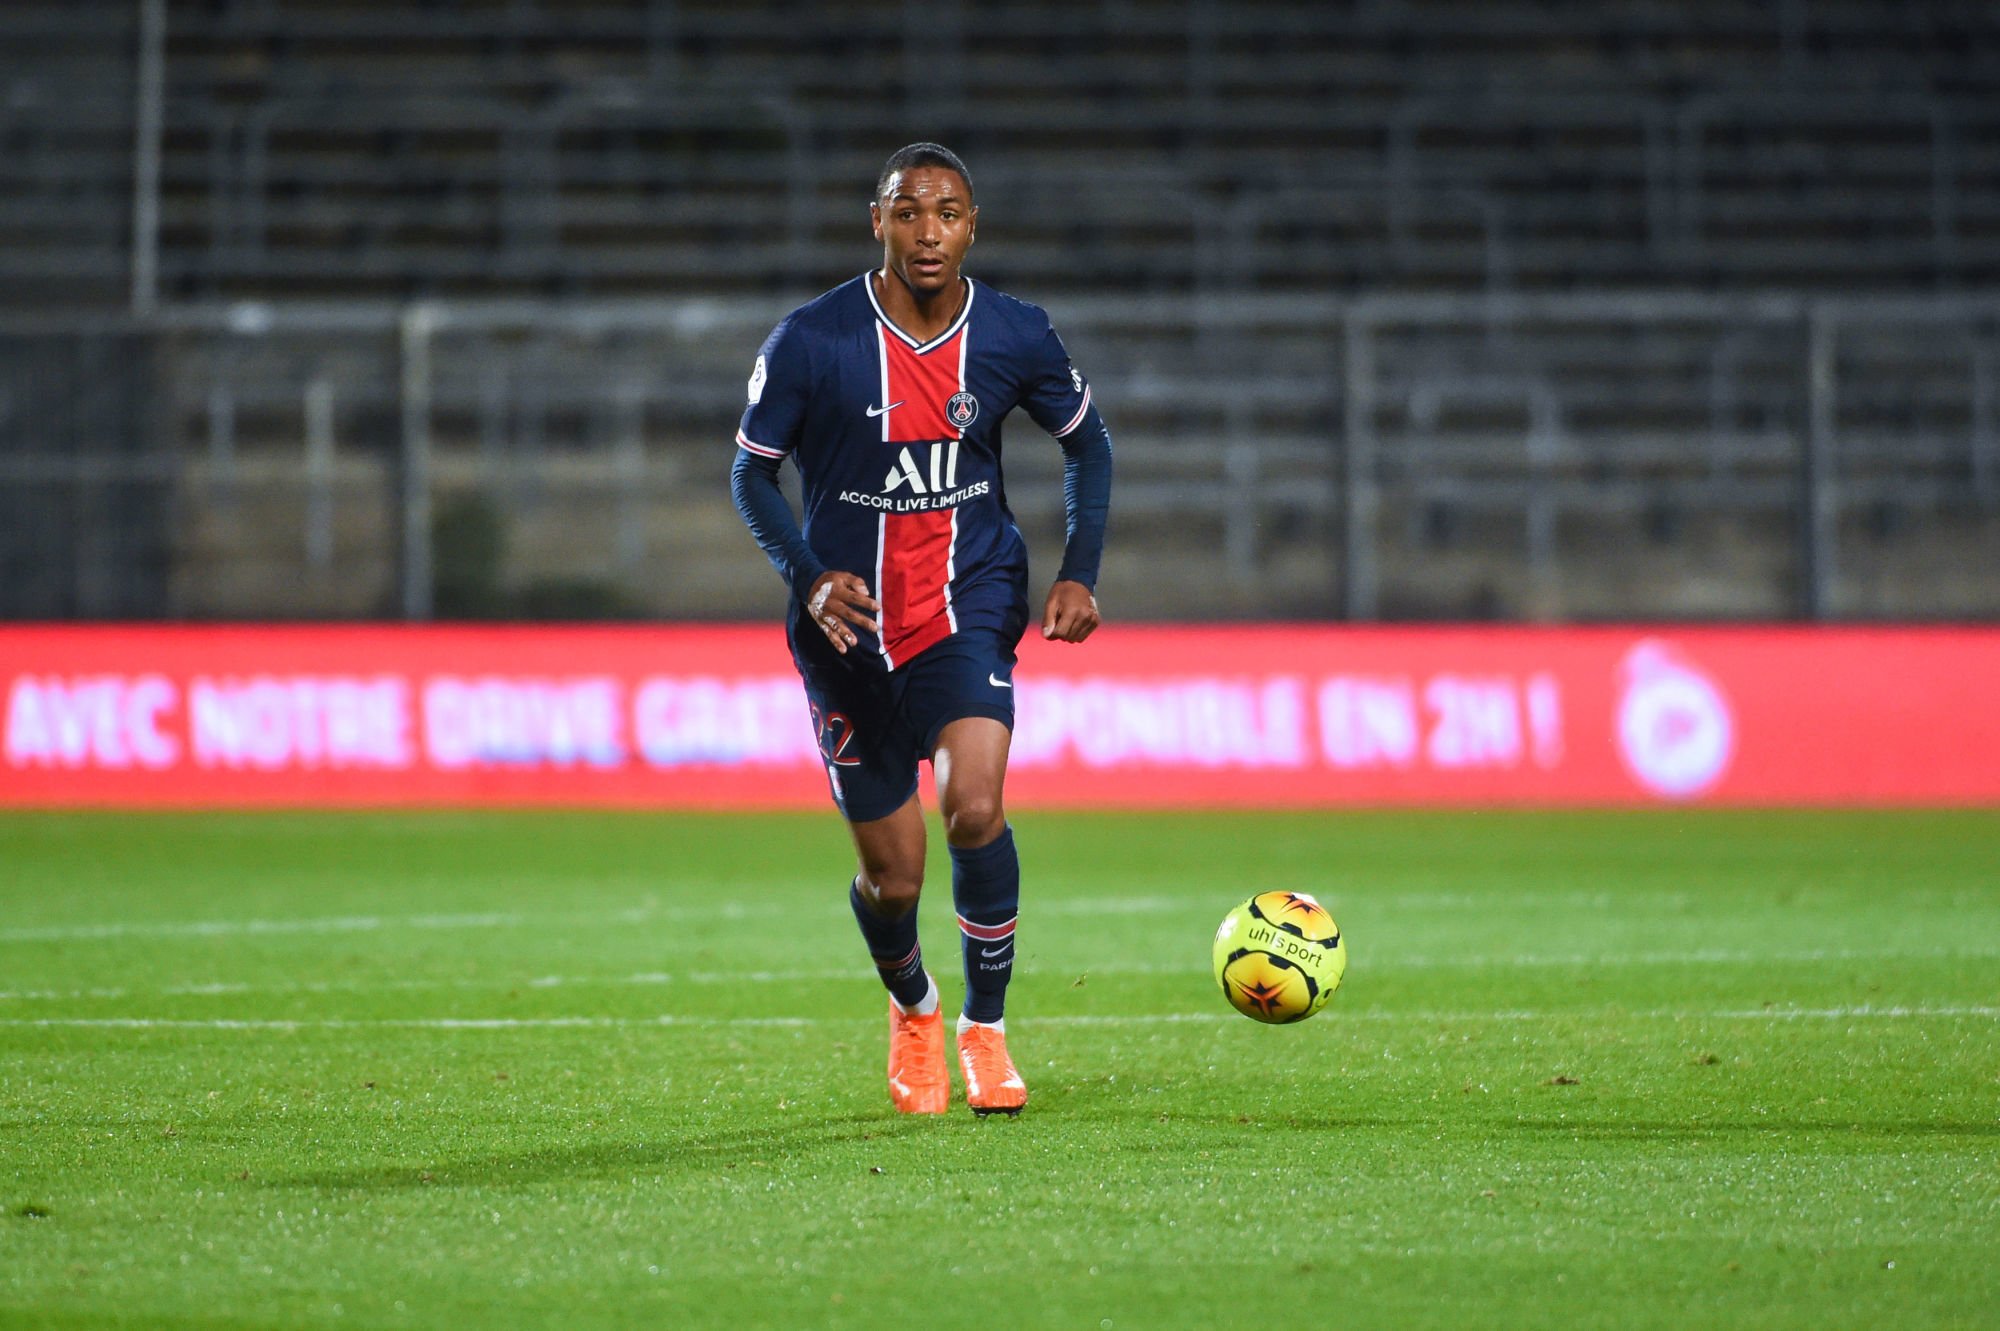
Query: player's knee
892, 889
973, 820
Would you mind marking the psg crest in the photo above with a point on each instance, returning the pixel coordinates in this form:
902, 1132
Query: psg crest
961, 410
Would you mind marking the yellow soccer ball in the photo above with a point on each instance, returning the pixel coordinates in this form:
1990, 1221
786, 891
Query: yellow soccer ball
1278, 957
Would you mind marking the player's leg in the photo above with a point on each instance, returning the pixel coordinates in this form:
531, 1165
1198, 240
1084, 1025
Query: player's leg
971, 767
871, 767
959, 695
890, 856
970, 763
890, 852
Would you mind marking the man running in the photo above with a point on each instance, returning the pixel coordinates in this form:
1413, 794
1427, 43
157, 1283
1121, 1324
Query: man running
909, 585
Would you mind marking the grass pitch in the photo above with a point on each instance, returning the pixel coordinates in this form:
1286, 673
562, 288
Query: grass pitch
529, 1070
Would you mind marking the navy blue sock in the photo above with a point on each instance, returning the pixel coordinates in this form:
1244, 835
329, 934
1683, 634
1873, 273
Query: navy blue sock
986, 888
899, 958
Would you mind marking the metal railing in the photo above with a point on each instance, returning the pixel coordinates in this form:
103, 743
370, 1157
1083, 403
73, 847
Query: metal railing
1342, 457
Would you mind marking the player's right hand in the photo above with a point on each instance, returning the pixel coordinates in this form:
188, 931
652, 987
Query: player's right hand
839, 603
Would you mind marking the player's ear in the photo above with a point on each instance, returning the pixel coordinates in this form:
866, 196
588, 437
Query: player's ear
875, 219
972, 226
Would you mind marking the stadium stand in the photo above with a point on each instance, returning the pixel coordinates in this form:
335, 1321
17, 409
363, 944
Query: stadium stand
357, 147
1601, 255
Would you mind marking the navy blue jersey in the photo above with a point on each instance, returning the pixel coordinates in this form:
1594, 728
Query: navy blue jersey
898, 446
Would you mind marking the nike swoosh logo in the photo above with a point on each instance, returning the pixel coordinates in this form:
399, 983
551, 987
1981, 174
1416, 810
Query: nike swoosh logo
897, 1082
998, 682
992, 951
877, 411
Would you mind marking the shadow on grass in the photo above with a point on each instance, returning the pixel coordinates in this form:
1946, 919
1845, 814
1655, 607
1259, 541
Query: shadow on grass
1773, 1125
687, 1154
795, 1147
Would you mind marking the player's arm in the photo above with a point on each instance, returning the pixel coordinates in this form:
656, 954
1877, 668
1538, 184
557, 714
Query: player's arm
838, 601
771, 427
1061, 403
753, 484
1070, 614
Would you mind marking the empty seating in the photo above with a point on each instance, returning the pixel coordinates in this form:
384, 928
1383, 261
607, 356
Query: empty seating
1212, 197
360, 148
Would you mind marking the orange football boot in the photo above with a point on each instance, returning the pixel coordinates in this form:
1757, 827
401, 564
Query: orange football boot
918, 1080
992, 1085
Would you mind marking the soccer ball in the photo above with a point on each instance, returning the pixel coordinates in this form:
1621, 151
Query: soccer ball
1278, 957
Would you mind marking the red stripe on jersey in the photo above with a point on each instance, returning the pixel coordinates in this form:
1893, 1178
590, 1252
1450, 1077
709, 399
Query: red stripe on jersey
920, 386
915, 568
915, 573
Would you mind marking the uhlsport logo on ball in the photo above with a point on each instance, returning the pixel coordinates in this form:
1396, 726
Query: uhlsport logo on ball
1279, 957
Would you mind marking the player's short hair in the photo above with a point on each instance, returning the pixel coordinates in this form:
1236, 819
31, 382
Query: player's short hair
921, 154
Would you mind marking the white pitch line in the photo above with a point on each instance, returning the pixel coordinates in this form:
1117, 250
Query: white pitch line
216, 989
1981, 1011
862, 974
1692, 957
336, 924
1116, 905
410, 1023
340, 924
1984, 1012
736, 910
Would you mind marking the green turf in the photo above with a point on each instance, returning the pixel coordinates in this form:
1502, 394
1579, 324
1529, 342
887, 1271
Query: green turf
558, 1070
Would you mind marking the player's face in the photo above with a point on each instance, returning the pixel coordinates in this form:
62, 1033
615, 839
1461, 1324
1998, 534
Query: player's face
924, 220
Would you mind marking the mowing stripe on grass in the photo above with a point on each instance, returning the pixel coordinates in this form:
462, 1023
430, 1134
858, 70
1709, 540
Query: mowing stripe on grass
1983, 1012
333, 924
857, 974
1097, 905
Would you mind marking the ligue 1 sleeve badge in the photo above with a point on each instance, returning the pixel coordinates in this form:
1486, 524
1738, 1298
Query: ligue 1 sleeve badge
961, 409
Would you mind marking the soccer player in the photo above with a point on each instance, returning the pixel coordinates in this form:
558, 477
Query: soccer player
909, 585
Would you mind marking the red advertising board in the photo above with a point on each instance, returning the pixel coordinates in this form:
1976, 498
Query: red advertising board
1148, 716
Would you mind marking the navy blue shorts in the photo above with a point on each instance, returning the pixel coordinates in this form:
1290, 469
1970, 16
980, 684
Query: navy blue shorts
875, 726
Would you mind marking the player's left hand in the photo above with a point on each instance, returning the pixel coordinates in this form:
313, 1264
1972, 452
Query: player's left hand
1071, 613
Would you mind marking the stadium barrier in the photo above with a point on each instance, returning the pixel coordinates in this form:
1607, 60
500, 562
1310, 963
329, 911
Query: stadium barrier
1147, 716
